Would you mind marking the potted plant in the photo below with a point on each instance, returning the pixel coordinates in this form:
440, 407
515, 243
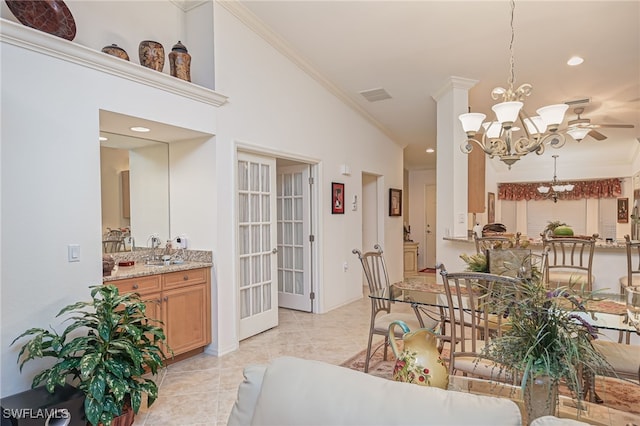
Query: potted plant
547, 342
105, 351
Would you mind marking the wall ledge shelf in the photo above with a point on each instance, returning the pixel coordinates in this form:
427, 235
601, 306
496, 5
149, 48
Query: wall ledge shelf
56, 47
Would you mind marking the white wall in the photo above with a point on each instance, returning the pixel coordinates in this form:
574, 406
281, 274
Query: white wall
50, 173
51, 184
274, 107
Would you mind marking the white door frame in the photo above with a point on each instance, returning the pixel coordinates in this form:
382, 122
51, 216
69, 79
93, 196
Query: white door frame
316, 172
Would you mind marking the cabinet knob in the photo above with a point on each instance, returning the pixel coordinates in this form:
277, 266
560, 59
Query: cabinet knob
159, 301
135, 286
186, 277
166, 298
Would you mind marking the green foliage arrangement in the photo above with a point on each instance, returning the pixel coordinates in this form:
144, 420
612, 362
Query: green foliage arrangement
546, 334
108, 362
476, 262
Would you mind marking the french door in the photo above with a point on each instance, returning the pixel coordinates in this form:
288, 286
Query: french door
257, 244
294, 241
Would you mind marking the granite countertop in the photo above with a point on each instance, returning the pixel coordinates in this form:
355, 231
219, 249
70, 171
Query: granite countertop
140, 270
618, 244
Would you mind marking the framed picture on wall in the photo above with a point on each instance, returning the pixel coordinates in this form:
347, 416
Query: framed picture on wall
491, 207
395, 202
337, 198
623, 210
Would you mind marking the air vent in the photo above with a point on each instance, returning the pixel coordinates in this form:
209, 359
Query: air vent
374, 95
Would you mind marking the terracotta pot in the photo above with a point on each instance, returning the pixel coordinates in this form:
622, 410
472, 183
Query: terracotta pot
117, 51
151, 54
180, 62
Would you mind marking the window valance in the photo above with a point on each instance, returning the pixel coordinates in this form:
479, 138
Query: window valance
598, 188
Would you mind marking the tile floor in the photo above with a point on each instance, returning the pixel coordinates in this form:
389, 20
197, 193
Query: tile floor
201, 390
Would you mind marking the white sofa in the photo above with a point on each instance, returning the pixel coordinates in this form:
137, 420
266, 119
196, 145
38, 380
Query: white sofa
293, 391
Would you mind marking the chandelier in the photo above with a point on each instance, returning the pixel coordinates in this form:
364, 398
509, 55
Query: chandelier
498, 138
553, 189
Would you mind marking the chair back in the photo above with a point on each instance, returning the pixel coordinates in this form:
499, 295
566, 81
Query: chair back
633, 263
475, 301
569, 260
375, 272
496, 242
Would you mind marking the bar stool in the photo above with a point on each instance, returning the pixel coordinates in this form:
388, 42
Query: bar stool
569, 261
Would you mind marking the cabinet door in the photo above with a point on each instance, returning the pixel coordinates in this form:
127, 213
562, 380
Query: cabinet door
186, 314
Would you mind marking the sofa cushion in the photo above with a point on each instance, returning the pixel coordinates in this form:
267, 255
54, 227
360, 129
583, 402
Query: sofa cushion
248, 392
303, 392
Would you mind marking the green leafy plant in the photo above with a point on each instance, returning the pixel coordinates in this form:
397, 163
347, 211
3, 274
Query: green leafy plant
476, 262
107, 363
545, 335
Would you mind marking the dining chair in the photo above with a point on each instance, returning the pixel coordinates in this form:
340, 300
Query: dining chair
496, 242
569, 261
632, 278
474, 321
375, 272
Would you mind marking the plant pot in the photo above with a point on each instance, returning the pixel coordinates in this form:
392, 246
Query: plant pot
124, 419
540, 396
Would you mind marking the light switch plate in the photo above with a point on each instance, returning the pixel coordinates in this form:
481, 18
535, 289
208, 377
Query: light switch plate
73, 252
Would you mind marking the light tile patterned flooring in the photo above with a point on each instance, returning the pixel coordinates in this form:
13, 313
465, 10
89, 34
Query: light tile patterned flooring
201, 390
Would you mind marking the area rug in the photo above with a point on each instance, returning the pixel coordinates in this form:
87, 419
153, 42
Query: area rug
619, 394
429, 270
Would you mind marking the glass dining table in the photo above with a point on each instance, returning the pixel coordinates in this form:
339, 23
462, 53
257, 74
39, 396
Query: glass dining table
607, 312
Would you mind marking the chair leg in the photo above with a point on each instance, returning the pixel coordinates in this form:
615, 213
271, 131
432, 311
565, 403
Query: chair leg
386, 346
368, 358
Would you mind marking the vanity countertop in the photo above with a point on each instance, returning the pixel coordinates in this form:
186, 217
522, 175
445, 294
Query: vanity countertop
140, 270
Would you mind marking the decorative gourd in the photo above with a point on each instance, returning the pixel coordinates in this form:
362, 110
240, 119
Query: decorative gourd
564, 231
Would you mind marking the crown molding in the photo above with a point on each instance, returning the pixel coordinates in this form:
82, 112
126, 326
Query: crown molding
189, 5
56, 47
254, 23
454, 83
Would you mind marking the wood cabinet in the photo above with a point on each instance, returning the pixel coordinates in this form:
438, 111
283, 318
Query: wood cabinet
410, 258
476, 184
182, 301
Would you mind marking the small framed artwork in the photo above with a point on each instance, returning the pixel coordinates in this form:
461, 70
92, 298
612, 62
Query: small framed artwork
337, 198
491, 207
623, 210
395, 202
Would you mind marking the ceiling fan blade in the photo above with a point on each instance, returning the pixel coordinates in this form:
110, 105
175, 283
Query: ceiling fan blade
615, 126
597, 135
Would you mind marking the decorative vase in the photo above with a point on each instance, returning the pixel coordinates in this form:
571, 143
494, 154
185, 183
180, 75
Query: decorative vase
116, 51
151, 54
419, 362
180, 62
540, 396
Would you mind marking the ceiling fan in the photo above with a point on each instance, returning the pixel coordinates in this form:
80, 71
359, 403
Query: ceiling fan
581, 127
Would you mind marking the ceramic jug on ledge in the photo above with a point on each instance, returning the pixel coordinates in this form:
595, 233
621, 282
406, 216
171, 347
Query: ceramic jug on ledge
419, 361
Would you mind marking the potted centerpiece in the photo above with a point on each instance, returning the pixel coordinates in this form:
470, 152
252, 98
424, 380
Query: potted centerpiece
105, 351
547, 341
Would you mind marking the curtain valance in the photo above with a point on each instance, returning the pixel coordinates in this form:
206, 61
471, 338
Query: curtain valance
598, 188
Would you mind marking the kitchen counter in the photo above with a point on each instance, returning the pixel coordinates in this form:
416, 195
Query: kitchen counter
140, 270
609, 260
600, 244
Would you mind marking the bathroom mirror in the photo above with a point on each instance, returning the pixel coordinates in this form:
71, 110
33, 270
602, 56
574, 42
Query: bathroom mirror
135, 191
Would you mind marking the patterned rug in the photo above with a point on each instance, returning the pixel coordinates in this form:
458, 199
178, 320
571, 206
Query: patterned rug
619, 394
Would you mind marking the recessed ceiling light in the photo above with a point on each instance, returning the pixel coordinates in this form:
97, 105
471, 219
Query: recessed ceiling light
140, 129
575, 60
430, 150
102, 139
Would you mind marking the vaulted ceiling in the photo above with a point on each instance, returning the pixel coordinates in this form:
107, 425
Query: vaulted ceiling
411, 48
